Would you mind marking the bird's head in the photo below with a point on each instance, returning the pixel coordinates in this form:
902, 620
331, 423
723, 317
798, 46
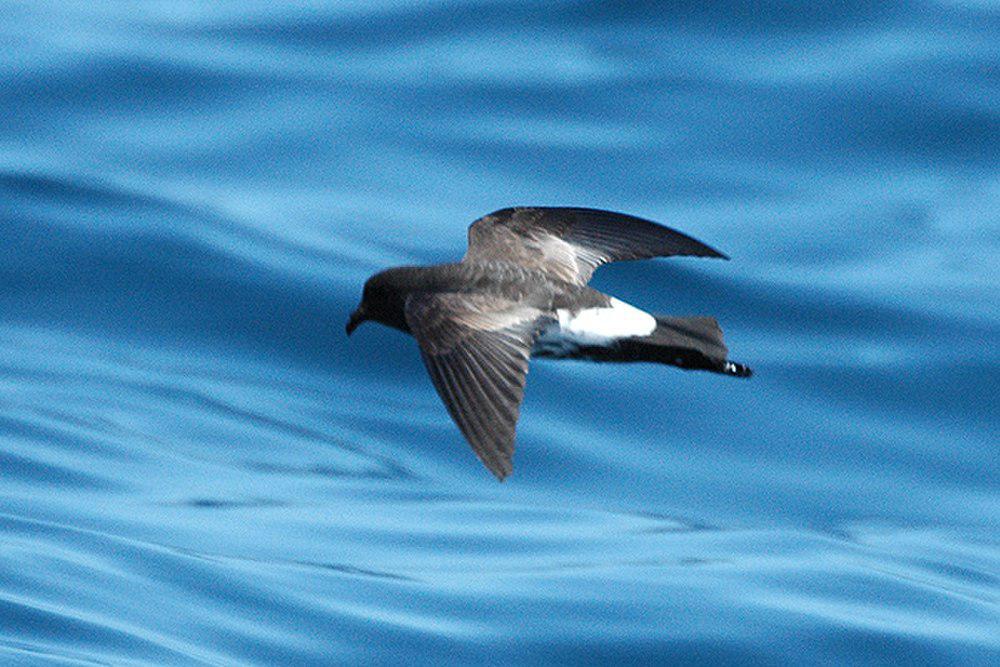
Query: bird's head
383, 300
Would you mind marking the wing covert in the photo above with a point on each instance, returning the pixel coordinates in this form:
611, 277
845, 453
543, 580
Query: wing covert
570, 243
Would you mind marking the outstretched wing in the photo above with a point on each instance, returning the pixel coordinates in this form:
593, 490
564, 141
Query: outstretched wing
476, 349
569, 243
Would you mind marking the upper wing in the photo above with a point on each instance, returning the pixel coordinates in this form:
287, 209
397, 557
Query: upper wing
476, 349
569, 243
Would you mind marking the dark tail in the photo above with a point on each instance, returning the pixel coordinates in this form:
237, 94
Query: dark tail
691, 343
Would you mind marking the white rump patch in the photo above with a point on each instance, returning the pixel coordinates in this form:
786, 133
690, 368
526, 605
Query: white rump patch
594, 327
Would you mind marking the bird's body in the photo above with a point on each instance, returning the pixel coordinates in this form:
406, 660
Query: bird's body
521, 291
497, 278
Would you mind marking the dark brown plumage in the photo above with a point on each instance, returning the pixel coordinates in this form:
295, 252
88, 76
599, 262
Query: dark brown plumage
521, 290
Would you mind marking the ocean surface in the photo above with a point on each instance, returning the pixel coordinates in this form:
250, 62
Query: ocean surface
197, 466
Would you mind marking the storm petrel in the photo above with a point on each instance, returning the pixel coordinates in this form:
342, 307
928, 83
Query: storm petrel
521, 291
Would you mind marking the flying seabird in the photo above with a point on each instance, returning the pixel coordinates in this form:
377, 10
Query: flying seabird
521, 291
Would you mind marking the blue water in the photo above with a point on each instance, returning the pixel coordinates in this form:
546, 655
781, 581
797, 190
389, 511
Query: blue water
199, 467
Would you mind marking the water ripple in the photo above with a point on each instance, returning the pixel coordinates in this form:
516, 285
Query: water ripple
199, 467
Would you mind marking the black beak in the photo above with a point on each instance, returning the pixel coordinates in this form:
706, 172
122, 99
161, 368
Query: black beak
357, 317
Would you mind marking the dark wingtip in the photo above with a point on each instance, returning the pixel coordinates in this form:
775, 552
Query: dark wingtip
715, 254
501, 473
495, 463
